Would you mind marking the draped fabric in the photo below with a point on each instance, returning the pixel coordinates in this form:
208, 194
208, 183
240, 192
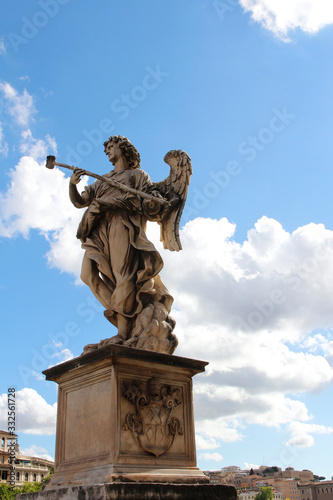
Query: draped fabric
112, 232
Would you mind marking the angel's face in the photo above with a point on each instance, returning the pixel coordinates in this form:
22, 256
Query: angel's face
113, 152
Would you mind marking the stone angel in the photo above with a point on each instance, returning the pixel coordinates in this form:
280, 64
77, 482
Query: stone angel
120, 265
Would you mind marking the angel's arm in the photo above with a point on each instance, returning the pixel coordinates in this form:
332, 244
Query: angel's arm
79, 200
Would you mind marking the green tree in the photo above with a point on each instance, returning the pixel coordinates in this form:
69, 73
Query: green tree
48, 477
318, 478
30, 487
270, 470
7, 493
265, 493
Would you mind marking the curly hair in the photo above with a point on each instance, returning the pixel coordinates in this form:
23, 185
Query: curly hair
129, 151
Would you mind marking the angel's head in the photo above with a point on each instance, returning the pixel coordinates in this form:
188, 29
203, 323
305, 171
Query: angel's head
126, 148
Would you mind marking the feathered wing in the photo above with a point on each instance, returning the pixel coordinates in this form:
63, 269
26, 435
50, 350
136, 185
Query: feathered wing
174, 188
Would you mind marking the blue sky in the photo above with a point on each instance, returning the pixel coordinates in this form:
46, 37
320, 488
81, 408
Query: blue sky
245, 88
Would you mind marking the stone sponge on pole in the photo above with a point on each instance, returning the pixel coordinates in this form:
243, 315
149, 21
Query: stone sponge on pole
51, 163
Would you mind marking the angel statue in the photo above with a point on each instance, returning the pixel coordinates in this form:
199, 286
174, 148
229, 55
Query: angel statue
120, 265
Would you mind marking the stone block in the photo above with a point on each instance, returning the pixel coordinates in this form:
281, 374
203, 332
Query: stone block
137, 491
125, 415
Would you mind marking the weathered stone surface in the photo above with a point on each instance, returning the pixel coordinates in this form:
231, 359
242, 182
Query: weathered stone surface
120, 265
137, 491
125, 415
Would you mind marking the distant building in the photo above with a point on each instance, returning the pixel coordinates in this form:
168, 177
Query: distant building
30, 469
246, 481
288, 487
215, 477
321, 490
284, 483
250, 495
231, 468
301, 475
247, 495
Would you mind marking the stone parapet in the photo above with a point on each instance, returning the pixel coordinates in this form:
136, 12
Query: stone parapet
137, 491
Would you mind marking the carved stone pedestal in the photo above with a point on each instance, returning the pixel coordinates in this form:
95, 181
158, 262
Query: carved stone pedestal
125, 415
125, 429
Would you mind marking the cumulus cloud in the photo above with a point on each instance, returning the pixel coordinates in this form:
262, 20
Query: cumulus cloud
36, 451
256, 305
250, 466
33, 414
216, 457
37, 148
205, 444
37, 198
215, 429
20, 106
284, 16
301, 433
62, 356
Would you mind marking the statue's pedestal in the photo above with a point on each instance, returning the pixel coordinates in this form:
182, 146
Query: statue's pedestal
125, 415
125, 427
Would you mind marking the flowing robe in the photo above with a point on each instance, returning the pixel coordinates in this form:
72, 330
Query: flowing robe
112, 232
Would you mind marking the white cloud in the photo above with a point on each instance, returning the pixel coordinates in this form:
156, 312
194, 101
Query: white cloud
37, 198
255, 304
283, 16
34, 415
36, 451
63, 355
250, 466
20, 106
301, 433
37, 375
205, 443
37, 148
274, 280
215, 429
216, 457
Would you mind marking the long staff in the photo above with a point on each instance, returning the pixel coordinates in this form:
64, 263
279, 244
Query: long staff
51, 162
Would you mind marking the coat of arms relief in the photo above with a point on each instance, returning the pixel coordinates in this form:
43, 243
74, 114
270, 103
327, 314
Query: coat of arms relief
152, 422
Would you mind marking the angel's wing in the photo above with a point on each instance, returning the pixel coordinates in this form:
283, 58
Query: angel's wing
174, 188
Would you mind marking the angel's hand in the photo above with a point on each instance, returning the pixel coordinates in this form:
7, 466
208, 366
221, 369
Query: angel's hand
156, 193
76, 176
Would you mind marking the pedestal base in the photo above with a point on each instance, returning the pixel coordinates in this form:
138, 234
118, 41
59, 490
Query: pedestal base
125, 415
139, 491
